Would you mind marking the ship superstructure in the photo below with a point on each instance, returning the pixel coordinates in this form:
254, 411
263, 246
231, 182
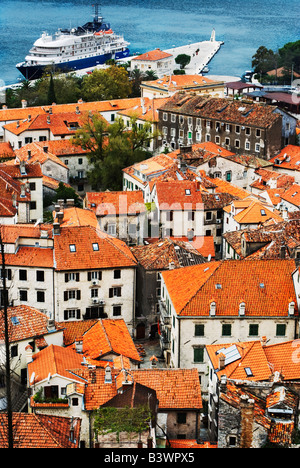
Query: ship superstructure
74, 49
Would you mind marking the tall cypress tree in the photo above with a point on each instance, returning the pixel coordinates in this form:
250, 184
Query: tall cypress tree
51, 91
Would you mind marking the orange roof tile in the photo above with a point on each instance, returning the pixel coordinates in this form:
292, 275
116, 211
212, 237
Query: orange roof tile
26, 322
179, 195
292, 195
265, 286
54, 360
250, 355
284, 358
256, 213
288, 158
92, 249
153, 55
109, 336
182, 82
115, 203
40, 431
31, 257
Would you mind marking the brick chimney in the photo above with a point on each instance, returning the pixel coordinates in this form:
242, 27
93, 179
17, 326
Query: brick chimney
247, 418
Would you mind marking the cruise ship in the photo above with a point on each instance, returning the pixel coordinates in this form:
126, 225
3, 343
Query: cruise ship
74, 49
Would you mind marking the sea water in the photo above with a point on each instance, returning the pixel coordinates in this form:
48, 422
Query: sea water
149, 24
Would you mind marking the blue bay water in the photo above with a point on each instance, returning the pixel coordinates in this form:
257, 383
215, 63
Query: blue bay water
148, 24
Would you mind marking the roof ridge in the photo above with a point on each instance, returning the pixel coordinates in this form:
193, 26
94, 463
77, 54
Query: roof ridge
220, 262
48, 430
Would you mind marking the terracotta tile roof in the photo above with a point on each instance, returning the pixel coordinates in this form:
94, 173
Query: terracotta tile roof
31, 257
249, 355
40, 431
222, 109
267, 177
288, 158
153, 55
147, 110
32, 170
175, 388
74, 217
176, 83
10, 194
26, 322
265, 286
273, 236
6, 151
190, 444
74, 331
34, 152
54, 360
63, 147
111, 252
256, 213
115, 203
12, 232
150, 167
283, 358
109, 336
160, 254
292, 195
179, 195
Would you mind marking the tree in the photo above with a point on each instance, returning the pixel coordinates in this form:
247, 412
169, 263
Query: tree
51, 91
183, 60
116, 420
264, 60
112, 148
104, 84
67, 193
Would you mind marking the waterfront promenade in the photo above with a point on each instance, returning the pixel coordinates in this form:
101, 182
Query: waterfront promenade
201, 54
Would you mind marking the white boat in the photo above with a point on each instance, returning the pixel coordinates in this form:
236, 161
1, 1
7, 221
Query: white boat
74, 49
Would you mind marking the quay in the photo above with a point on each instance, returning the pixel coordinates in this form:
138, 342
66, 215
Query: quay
201, 54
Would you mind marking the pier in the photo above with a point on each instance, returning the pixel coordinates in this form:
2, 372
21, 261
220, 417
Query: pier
201, 54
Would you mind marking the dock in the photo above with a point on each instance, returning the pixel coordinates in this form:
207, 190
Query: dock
201, 54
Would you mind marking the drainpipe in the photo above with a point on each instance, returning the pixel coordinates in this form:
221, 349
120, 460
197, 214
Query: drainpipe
179, 333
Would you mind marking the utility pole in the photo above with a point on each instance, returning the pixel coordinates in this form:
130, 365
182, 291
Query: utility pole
7, 350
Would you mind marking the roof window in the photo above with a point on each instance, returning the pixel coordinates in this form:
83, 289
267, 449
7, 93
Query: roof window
248, 371
218, 286
95, 246
187, 191
15, 320
72, 247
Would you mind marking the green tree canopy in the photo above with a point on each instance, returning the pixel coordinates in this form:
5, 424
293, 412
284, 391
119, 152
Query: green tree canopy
104, 84
183, 60
112, 148
264, 60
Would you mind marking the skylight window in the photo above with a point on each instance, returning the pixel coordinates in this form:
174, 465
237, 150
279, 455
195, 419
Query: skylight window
72, 247
263, 213
15, 320
187, 191
95, 246
248, 371
218, 286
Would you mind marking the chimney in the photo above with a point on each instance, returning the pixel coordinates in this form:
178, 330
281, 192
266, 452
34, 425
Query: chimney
51, 325
24, 103
70, 202
29, 118
29, 352
263, 340
28, 155
247, 418
48, 120
77, 110
223, 383
60, 216
242, 309
23, 194
56, 228
78, 346
57, 208
291, 307
212, 310
108, 376
221, 361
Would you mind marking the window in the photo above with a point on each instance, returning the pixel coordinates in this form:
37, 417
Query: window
72, 314
169, 216
228, 176
117, 311
94, 275
232, 441
23, 275
14, 351
199, 330
280, 329
248, 131
32, 186
23, 295
94, 292
72, 277
227, 141
117, 274
253, 329
40, 276
237, 129
72, 294
115, 292
226, 329
111, 229
75, 401
165, 116
80, 161
257, 147
95, 246
191, 216
72, 247
181, 418
237, 143
247, 145
208, 215
40, 296
258, 133
198, 354
32, 205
